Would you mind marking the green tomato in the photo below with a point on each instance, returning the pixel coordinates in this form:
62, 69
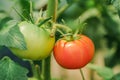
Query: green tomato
38, 41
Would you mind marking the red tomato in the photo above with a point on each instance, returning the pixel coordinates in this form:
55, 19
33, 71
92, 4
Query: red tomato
74, 54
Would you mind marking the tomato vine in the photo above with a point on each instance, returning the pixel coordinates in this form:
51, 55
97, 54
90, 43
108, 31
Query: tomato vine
39, 37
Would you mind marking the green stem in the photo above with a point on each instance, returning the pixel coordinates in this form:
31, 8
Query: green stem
62, 9
31, 12
53, 30
93, 12
60, 32
46, 69
79, 30
52, 9
82, 74
40, 17
66, 28
37, 67
35, 70
51, 12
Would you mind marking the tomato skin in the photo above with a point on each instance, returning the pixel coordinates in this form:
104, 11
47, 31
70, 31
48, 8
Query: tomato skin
38, 41
74, 54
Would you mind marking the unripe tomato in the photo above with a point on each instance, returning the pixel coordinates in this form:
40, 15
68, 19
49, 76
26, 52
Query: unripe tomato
74, 54
38, 41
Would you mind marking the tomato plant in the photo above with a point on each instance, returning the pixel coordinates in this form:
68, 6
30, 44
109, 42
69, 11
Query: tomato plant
34, 39
38, 40
74, 54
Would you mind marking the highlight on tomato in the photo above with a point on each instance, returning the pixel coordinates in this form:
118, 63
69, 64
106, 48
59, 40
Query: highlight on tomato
38, 41
74, 53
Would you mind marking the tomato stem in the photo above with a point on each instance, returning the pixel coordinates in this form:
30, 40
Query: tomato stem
64, 27
60, 32
55, 11
46, 69
52, 9
35, 70
53, 30
58, 27
78, 31
31, 12
61, 10
40, 17
82, 74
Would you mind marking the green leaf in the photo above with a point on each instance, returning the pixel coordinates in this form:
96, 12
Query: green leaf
10, 70
3, 18
25, 5
44, 21
10, 36
2, 15
0, 47
105, 72
116, 77
116, 4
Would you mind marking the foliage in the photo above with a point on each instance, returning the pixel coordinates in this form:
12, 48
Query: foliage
105, 72
10, 70
11, 36
101, 16
116, 77
102, 23
116, 3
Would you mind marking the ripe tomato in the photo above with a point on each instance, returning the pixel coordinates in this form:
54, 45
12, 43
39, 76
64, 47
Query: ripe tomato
38, 41
74, 54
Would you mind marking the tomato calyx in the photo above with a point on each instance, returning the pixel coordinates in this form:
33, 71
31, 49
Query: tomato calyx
71, 37
66, 32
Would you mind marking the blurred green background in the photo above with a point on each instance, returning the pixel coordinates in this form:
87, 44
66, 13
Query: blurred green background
101, 18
